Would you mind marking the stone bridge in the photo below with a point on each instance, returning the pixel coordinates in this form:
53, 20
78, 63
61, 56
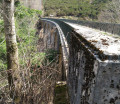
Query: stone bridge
91, 58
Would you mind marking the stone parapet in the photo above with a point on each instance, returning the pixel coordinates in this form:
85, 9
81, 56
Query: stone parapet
92, 62
107, 27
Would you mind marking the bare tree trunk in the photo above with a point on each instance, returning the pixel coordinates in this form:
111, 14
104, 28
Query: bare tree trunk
11, 44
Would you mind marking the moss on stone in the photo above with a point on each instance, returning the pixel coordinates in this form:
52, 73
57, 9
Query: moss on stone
61, 95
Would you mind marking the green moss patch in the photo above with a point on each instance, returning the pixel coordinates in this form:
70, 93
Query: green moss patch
61, 94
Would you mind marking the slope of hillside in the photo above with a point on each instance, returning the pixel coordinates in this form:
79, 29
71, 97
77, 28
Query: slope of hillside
79, 8
111, 13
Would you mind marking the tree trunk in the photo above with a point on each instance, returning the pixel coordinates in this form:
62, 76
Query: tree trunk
11, 44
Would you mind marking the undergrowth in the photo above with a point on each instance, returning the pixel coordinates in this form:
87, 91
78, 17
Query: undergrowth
25, 20
38, 73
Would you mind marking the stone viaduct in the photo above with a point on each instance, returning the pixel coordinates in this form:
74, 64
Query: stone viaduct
91, 55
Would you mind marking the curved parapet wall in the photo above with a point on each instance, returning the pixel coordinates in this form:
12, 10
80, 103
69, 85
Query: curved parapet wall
93, 73
54, 38
107, 27
91, 80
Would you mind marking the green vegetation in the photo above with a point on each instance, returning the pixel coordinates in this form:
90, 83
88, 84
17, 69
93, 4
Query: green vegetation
25, 29
25, 21
3, 63
51, 54
61, 94
79, 8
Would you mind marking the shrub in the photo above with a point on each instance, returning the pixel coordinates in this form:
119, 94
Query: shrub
81, 8
25, 20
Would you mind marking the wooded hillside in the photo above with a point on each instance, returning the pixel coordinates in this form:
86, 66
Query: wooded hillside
80, 8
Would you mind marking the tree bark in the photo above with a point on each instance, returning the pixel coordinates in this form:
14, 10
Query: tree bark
11, 44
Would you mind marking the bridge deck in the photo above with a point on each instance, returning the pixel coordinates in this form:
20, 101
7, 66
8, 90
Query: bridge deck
104, 41
93, 65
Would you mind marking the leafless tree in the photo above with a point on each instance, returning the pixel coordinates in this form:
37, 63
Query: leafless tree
11, 45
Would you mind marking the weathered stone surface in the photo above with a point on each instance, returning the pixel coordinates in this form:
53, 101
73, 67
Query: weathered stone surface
93, 77
34, 4
107, 27
103, 41
51, 36
93, 72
